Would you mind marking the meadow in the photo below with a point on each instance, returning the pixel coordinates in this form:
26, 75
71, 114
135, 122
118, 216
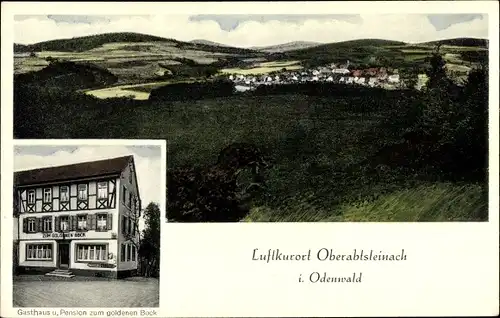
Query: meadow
265, 68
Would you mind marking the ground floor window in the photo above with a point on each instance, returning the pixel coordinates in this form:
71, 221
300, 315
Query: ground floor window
39, 251
92, 252
128, 252
122, 254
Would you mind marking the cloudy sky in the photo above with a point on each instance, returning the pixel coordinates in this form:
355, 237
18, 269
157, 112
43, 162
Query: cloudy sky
257, 30
147, 162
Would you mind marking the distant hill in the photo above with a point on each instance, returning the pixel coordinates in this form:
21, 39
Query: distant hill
290, 46
469, 42
206, 42
21, 48
362, 52
352, 44
85, 43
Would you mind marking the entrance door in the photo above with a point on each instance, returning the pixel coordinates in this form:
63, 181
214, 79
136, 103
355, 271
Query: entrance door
63, 255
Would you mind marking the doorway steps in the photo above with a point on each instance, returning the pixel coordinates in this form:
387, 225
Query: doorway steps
61, 273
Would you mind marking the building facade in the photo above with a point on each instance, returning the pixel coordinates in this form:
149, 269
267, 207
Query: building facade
79, 219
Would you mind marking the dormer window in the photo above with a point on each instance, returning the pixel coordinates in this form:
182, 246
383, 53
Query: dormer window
47, 195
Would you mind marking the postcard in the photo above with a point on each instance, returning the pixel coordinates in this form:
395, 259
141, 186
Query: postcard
290, 159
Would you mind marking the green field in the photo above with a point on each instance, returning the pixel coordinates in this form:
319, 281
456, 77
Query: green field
265, 68
134, 91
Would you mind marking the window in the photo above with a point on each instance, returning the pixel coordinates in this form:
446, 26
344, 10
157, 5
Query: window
122, 254
64, 223
39, 251
133, 253
82, 222
94, 252
102, 190
124, 199
130, 198
124, 224
47, 195
31, 197
47, 224
129, 226
129, 252
31, 225
82, 192
64, 193
102, 222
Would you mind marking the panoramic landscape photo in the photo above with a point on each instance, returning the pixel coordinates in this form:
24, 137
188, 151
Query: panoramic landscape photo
275, 118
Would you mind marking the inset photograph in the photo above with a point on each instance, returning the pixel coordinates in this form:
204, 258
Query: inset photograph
87, 225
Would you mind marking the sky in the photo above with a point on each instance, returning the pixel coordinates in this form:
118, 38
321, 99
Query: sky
147, 162
257, 30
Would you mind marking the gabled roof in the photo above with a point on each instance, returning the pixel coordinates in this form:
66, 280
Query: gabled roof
90, 169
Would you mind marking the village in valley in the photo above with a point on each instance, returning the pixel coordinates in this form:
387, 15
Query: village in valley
382, 77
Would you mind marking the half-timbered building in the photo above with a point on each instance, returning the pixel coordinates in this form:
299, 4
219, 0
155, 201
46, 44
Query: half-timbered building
78, 219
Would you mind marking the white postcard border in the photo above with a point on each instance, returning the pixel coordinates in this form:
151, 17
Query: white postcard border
215, 268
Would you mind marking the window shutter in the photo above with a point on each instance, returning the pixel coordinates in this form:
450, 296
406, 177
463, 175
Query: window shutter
57, 224
25, 225
39, 224
109, 222
74, 222
94, 222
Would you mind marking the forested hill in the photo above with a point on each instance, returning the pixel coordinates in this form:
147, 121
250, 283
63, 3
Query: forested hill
468, 42
85, 43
